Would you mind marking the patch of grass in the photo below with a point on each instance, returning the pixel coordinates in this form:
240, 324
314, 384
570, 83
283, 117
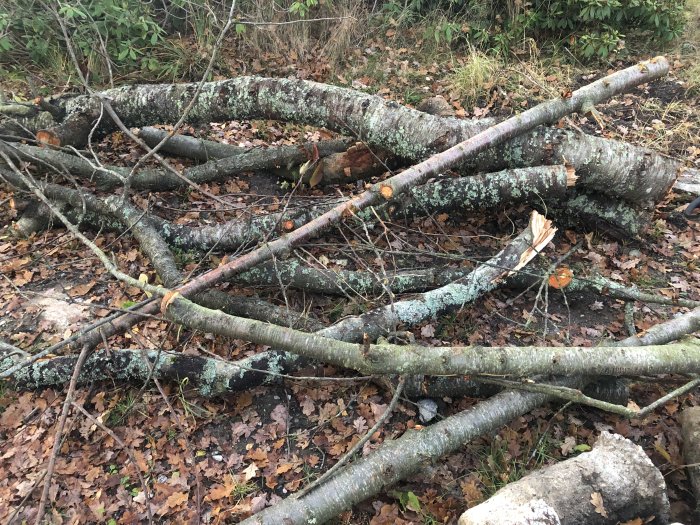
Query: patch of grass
176, 60
241, 490
121, 410
475, 77
689, 47
412, 96
691, 34
669, 127
540, 77
191, 410
691, 75
498, 468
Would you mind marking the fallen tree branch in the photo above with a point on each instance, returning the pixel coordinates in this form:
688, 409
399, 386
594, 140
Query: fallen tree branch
576, 396
690, 432
354, 162
395, 460
407, 133
401, 183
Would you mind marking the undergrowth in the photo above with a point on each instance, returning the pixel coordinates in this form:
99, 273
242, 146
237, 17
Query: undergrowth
118, 40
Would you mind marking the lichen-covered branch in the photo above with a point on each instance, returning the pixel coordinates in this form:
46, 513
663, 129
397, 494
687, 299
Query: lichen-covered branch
634, 173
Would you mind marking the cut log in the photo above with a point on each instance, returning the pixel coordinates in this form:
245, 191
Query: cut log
614, 482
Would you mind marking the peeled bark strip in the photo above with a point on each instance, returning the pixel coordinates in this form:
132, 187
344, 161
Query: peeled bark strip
613, 483
359, 162
690, 431
634, 173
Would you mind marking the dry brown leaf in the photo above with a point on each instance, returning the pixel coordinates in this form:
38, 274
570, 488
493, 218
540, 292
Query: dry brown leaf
219, 491
250, 472
81, 289
597, 501
285, 467
561, 278
635, 521
175, 500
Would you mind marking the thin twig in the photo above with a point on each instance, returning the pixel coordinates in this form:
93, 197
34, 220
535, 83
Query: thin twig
126, 449
576, 396
59, 433
301, 21
358, 446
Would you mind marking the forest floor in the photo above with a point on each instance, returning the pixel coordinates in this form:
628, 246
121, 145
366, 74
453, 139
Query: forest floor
239, 453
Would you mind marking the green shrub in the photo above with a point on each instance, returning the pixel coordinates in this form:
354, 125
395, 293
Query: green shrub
590, 27
99, 30
595, 27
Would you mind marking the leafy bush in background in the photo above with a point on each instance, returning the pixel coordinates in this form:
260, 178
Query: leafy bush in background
130, 36
99, 30
127, 36
590, 27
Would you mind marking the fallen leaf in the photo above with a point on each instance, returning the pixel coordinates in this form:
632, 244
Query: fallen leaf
250, 471
561, 278
428, 331
597, 501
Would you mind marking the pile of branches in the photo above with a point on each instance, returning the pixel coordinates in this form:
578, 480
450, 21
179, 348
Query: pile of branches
579, 179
